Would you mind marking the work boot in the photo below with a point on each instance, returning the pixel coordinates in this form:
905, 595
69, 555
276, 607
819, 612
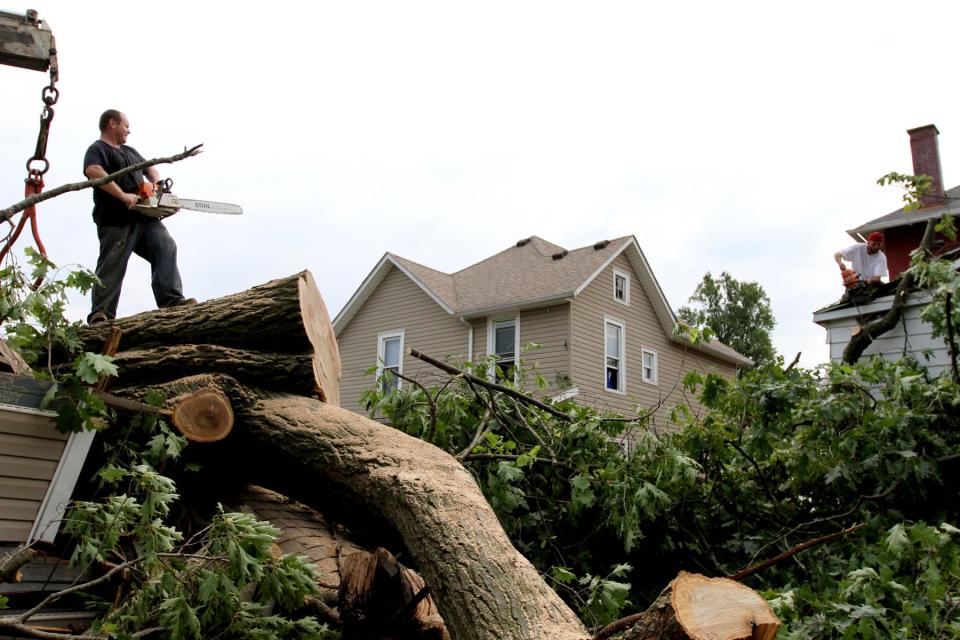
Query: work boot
187, 301
97, 318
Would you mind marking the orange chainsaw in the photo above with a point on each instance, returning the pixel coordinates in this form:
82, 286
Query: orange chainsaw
851, 279
156, 201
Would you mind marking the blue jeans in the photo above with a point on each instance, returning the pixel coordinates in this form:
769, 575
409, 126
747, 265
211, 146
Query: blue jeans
148, 239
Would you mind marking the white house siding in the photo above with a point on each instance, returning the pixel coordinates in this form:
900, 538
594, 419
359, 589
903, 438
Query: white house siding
30, 450
911, 335
396, 304
642, 329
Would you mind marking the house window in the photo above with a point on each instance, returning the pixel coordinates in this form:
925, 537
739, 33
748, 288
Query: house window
614, 365
390, 360
505, 349
621, 286
649, 365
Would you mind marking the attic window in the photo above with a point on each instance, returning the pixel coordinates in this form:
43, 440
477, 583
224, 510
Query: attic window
559, 255
601, 245
621, 287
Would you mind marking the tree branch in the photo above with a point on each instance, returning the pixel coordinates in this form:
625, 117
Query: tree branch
431, 404
6, 214
11, 562
743, 573
513, 393
481, 430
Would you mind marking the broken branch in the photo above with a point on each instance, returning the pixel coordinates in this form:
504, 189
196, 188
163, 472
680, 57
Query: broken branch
743, 573
6, 214
513, 393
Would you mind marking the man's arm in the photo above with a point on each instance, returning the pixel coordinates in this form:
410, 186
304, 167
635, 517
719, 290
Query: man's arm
838, 256
152, 174
95, 171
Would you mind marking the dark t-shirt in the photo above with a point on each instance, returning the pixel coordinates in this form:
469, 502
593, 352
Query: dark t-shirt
109, 211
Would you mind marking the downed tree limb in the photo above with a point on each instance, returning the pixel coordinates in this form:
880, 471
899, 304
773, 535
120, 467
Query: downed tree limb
484, 588
9, 212
284, 316
205, 416
760, 566
10, 563
493, 386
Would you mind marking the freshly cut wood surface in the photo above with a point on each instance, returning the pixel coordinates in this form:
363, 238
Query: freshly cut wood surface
694, 607
204, 417
721, 608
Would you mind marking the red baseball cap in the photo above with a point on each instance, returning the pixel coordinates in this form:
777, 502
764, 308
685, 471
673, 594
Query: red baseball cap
876, 236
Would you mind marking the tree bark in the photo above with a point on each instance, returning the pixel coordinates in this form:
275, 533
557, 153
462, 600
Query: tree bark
261, 369
284, 316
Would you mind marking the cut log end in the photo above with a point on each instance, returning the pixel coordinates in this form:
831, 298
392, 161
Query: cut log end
721, 609
204, 417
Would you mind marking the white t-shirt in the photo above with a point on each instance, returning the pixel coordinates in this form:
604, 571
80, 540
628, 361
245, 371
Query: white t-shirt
866, 265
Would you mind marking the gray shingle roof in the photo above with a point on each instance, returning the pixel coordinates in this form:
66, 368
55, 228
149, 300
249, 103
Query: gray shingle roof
531, 272
900, 217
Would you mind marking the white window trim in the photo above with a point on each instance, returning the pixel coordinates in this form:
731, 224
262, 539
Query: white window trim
381, 339
656, 365
622, 372
491, 344
626, 287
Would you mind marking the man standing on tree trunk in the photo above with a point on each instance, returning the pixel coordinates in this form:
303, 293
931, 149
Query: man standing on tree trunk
870, 265
122, 231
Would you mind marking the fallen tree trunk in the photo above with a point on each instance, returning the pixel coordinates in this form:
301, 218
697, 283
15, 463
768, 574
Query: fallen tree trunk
261, 369
484, 588
284, 316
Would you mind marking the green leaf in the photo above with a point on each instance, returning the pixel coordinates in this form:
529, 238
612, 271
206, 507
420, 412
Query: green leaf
897, 540
562, 575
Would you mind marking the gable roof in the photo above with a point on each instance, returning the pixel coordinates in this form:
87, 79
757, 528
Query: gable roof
533, 272
900, 218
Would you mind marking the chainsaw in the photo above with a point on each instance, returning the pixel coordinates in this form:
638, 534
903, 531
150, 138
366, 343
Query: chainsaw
157, 201
851, 279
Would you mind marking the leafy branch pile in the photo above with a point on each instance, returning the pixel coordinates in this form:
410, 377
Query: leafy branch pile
778, 458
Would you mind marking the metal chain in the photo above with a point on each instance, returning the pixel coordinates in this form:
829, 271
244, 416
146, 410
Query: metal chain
49, 95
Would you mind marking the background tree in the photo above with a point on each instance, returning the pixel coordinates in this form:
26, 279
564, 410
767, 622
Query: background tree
737, 312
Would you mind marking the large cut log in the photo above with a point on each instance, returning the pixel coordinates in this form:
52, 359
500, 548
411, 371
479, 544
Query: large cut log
694, 607
282, 316
261, 369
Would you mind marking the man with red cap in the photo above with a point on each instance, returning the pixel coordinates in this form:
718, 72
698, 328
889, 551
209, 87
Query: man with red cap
867, 260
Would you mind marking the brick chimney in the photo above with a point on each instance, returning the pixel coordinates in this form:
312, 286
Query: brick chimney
926, 161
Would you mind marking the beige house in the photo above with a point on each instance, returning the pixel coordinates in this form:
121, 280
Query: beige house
603, 325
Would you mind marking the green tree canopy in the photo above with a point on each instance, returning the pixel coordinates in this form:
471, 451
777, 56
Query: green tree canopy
737, 312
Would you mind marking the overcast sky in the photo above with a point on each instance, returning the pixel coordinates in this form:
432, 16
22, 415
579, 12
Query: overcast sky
726, 136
